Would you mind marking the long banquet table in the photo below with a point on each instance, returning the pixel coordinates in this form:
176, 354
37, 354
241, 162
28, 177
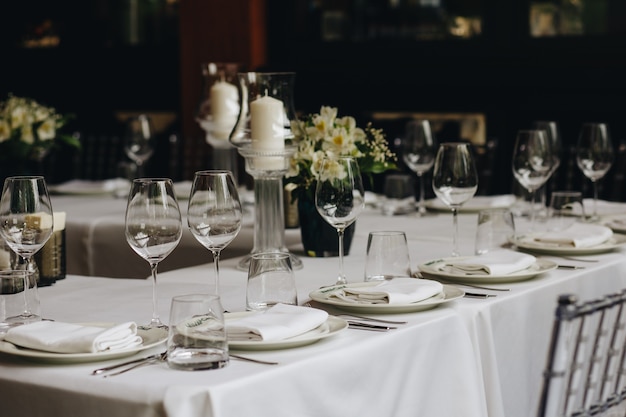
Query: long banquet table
468, 357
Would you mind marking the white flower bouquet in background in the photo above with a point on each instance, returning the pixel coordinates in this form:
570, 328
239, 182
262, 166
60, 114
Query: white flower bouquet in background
28, 130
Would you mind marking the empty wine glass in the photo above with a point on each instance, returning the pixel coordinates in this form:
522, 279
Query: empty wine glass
153, 227
551, 128
138, 140
26, 221
214, 215
594, 156
455, 180
532, 163
418, 153
340, 198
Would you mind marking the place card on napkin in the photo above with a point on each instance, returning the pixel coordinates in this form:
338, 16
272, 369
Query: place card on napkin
394, 291
578, 235
52, 336
278, 322
497, 262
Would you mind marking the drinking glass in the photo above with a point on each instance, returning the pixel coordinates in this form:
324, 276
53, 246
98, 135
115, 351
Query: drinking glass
418, 153
566, 208
271, 281
594, 156
153, 227
26, 221
455, 180
532, 163
340, 198
214, 214
552, 131
138, 141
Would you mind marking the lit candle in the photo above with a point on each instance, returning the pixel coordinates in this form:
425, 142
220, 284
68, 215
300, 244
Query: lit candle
267, 130
224, 108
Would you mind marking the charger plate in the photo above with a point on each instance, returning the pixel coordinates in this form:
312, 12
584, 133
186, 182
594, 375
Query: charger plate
151, 338
528, 243
330, 327
448, 294
433, 269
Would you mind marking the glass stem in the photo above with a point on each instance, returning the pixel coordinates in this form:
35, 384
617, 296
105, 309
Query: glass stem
155, 309
216, 267
533, 195
455, 232
595, 201
421, 208
26, 265
341, 279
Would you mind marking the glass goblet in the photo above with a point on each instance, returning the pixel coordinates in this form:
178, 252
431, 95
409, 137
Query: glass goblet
552, 131
214, 215
138, 141
532, 163
455, 180
418, 153
594, 156
340, 198
153, 227
26, 221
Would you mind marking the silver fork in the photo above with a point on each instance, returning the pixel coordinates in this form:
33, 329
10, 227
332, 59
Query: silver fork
147, 361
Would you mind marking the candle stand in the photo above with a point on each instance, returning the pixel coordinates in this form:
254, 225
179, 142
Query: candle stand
268, 169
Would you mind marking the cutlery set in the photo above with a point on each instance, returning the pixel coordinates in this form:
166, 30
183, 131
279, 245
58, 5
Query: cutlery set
158, 358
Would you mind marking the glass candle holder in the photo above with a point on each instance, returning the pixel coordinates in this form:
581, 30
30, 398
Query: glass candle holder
218, 111
263, 136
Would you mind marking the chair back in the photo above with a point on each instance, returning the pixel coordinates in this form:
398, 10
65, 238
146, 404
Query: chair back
585, 370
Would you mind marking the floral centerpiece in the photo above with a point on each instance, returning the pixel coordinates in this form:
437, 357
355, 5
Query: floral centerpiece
325, 134
28, 130
321, 135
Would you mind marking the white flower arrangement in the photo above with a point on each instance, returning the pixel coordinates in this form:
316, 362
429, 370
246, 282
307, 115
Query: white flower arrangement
28, 129
326, 135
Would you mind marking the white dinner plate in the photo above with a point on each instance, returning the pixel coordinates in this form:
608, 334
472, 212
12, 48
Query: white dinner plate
87, 187
330, 327
528, 243
616, 223
151, 338
476, 204
433, 269
321, 296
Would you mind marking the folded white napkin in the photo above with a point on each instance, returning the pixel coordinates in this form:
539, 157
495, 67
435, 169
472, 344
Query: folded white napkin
497, 262
53, 336
578, 235
89, 187
483, 201
394, 291
278, 322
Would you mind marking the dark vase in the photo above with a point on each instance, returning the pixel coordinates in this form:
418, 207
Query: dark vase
319, 238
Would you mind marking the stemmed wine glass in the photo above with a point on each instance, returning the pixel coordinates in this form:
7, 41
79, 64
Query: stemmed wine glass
594, 156
340, 198
532, 163
138, 140
455, 180
552, 131
26, 221
418, 153
153, 227
214, 215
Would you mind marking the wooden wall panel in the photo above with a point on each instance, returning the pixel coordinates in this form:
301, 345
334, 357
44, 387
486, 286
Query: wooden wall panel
215, 30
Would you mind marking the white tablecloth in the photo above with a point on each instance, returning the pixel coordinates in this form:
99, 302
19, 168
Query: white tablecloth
471, 357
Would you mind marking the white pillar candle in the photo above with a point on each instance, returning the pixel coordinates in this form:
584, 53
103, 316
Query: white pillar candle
224, 108
267, 130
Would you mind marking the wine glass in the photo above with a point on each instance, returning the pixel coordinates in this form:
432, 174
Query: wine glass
594, 156
551, 128
26, 221
532, 163
153, 227
455, 180
214, 215
340, 197
418, 153
138, 141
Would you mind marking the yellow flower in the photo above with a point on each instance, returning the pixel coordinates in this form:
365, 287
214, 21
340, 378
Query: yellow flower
47, 130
